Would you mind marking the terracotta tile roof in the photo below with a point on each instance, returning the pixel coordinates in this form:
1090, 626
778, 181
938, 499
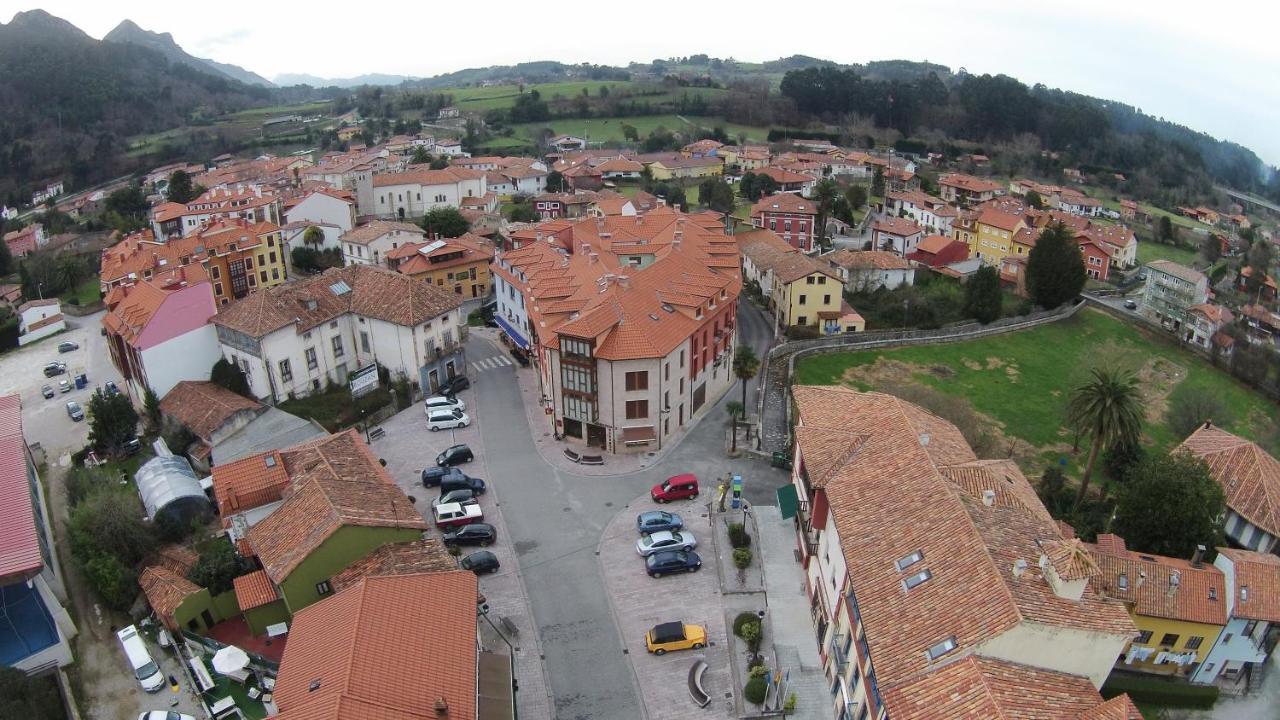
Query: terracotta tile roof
875, 259
203, 407
255, 590
367, 233
790, 203
131, 315
1257, 584
334, 482
406, 558
249, 482
1159, 586
1181, 272
178, 558
380, 650
933, 244
20, 555
969, 183
881, 461
619, 164
901, 227
986, 689
1216, 314
445, 253
376, 292
1000, 219
1249, 476
447, 176
783, 176
165, 591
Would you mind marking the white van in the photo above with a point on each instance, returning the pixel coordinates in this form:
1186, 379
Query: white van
441, 402
144, 668
447, 419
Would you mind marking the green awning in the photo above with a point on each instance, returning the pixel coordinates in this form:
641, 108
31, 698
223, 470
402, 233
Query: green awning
788, 501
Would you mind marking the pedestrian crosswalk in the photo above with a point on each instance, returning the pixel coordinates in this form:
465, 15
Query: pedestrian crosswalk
491, 363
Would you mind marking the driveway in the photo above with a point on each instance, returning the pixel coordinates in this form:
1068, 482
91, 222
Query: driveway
556, 519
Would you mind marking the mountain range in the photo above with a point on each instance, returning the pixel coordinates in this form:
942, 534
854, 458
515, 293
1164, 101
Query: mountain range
291, 79
129, 32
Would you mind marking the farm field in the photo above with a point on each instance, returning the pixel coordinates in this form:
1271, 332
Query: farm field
1020, 382
1149, 251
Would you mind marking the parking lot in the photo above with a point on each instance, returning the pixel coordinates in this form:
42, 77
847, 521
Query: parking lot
407, 447
45, 421
640, 602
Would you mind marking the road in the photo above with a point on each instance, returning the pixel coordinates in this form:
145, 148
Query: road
556, 521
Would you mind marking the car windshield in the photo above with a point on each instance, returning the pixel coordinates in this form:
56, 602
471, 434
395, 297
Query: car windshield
146, 671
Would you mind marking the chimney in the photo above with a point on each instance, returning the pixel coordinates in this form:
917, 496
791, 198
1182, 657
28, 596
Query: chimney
1198, 557
442, 707
1175, 581
924, 439
624, 282
594, 258
988, 497
1019, 568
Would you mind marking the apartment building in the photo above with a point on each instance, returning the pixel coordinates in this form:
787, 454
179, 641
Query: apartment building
411, 194
931, 573
460, 265
158, 331
372, 243
253, 204
630, 320
1252, 600
1171, 291
297, 339
801, 291
793, 218
967, 190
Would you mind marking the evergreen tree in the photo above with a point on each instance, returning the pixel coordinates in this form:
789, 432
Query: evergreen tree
1055, 268
982, 296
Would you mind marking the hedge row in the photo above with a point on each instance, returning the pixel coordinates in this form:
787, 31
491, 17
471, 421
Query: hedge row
1160, 691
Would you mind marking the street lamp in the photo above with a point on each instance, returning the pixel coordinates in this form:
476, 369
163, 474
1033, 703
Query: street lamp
40, 290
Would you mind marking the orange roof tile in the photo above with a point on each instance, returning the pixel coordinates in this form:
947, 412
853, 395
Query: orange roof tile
166, 590
1257, 584
406, 558
203, 407
255, 590
378, 651
1249, 476
1160, 586
249, 482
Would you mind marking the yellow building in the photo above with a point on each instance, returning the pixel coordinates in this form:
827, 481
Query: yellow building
1180, 606
242, 257
801, 291
993, 235
459, 264
678, 167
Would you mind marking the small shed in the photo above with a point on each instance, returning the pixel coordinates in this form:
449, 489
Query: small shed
171, 490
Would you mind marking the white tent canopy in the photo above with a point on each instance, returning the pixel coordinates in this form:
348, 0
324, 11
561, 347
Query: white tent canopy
230, 660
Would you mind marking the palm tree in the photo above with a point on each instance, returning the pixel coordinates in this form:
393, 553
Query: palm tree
1109, 408
735, 410
68, 273
313, 235
745, 367
824, 194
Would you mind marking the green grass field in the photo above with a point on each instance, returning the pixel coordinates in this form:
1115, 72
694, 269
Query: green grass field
598, 130
1022, 380
86, 293
1148, 251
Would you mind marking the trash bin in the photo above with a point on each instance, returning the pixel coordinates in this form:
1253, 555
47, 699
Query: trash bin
781, 460
82, 381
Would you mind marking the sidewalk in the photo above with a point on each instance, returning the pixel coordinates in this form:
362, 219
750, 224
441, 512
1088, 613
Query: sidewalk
794, 645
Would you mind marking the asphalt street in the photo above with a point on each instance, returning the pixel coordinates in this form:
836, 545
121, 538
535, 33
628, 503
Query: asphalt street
556, 520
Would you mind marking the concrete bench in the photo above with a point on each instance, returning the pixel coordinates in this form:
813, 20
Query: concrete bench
575, 457
696, 671
592, 460
508, 626
376, 433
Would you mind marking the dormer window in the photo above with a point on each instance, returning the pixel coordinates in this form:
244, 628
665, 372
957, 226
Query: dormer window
1123, 581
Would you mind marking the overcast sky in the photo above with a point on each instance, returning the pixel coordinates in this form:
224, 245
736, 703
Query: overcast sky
1209, 66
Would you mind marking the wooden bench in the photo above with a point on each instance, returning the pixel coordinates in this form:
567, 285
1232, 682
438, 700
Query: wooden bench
696, 671
376, 433
592, 460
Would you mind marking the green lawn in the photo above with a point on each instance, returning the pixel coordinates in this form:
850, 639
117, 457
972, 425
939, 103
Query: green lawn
1148, 251
610, 129
86, 293
1022, 380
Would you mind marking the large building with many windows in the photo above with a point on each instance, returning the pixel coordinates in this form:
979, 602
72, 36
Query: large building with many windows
631, 321
935, 577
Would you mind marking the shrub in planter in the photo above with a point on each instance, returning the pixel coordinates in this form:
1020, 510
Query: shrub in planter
756, 688
752, 634
738, 536
742, 620
742, 558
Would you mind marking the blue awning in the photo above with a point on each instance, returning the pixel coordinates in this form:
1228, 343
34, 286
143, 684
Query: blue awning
511, 333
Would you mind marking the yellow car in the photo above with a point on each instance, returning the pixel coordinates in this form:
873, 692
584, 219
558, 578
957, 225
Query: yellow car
670, 636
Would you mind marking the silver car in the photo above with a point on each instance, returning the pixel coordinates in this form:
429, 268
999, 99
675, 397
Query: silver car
665, 540
74, 411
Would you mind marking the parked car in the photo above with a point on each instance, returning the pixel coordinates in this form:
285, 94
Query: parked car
481, 562
473, 534
657, 520
456, 514
432, 476
672, 561
47, 391
144, 668
670, 636
455, 455
447, 420
74, 411
1130, 305
461, 481
665, 540
111, 388
454, 385
164, 715
440, 402
54, 368
65, 386
678, 487
67, 346
462, 496
132, 446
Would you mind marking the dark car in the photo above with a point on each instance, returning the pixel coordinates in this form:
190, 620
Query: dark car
459, 480
672, 561
473, 534
132, 446
462, 496
47, 391
454, 385
657, 521
432, 476
1130, 305
111, 388
67, 346
481, 562
54, 368
455, 455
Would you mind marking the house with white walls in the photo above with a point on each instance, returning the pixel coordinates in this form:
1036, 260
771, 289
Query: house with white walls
39, 319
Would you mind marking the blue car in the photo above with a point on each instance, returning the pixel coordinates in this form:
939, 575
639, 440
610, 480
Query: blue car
672, 561
657, 521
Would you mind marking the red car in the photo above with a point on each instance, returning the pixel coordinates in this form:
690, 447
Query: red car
678, 487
